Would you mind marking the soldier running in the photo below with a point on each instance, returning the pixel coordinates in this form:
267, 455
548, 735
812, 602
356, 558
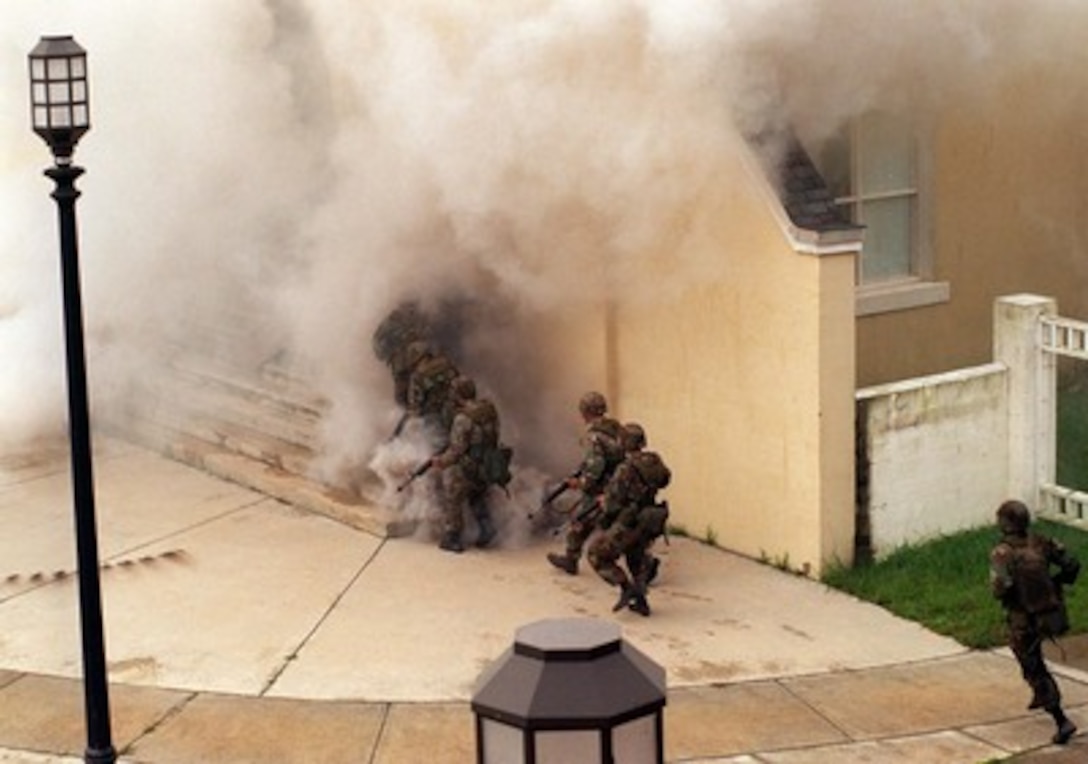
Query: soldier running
603, 453
1020, 578
631, 519
473, 461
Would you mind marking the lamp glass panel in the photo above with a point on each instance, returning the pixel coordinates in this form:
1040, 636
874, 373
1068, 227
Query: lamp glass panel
79, 116
60, 116
58, 68
41, 116
38, 93
566, 746
502, 744
59, 92
79, 90
636, 741
79, 67
37, 68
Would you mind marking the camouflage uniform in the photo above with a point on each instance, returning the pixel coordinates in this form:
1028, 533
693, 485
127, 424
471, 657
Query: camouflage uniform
474, 434
603, 452
630, 495
1024, 636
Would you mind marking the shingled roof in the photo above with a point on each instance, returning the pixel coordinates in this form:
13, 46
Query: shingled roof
802, 189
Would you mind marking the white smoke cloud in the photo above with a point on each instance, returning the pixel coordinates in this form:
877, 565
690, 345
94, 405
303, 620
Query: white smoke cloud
285, 172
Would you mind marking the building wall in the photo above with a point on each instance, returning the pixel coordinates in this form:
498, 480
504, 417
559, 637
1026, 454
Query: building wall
1009, 206
745, 386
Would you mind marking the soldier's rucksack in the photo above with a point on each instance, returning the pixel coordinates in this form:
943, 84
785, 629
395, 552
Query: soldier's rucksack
607, 433
493, 457
651, 469
1035, 590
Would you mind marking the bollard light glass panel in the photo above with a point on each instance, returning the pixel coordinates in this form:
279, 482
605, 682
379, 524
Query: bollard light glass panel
570, 691
59, 98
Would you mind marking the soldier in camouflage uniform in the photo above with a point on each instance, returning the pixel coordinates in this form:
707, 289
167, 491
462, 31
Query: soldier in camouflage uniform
1025, 603
630, 508
404, 325
474, 436
603, 451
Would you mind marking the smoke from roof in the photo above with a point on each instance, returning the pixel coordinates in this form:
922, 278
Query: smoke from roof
287, 171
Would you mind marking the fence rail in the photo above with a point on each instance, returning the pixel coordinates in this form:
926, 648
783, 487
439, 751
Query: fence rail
1064, 504
1065, 336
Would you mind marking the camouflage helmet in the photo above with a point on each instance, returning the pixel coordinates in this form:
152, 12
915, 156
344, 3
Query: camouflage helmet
1013, 517
593, 404
463, 388
405, 324
633, 437
416, 352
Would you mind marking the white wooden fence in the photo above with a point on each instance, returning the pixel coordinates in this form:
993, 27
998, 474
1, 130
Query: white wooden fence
938, 454
1069, 338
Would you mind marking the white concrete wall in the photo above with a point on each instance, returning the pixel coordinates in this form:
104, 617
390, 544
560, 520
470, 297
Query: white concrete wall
938, 451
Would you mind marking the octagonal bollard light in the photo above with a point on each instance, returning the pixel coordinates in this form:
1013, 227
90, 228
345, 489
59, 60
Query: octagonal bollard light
570, 691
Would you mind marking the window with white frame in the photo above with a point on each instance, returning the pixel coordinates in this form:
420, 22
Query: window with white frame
872, 168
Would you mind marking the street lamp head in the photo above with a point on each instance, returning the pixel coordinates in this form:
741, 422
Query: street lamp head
59, 100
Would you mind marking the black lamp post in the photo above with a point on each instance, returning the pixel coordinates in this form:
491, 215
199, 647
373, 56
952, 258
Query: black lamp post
60, 115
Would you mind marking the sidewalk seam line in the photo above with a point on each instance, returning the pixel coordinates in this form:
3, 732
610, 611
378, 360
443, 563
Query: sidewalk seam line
290, 657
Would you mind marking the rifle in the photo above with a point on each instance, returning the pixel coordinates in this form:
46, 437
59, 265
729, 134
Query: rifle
400, 427
556, 492
417, 473
582, 516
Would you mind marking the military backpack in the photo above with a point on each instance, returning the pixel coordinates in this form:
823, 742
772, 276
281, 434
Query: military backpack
1035, 589
491, 456
651, 469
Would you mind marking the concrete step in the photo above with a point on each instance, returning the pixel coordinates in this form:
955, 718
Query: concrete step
258, 432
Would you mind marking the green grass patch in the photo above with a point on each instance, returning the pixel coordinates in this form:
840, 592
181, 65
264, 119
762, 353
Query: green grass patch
944, 584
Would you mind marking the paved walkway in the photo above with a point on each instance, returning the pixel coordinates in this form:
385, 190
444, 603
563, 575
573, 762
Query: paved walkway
241, 628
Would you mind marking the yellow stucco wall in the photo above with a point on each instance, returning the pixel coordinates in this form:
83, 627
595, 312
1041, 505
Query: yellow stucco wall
1009, 214
745, 386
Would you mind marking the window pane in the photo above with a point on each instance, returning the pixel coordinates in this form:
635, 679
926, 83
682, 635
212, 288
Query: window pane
636, 741
503, 742
59, 92
568, 746
886, 155
60, 116
58, 68
887, 248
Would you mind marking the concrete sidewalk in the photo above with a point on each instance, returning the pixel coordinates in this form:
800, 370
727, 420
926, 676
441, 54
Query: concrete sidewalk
241, 628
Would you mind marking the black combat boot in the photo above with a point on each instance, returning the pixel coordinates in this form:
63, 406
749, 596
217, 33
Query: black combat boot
637, 602
487, 532
451, 542
564, 562
626, 593
1066, 728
